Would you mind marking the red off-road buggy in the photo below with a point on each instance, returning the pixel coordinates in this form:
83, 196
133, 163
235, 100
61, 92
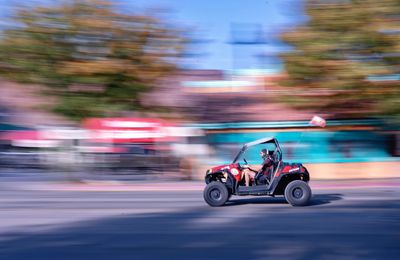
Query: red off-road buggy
288, 179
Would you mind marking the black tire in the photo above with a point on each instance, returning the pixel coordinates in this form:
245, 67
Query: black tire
298, 193
215, 194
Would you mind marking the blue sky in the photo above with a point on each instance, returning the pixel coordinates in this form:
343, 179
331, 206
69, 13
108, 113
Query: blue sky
213, 20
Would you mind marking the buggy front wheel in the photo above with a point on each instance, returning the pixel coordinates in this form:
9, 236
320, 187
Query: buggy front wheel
216, 194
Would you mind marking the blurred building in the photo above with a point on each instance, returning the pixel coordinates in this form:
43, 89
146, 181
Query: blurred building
217, 96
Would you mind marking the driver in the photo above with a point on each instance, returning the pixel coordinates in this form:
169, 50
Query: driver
262, 173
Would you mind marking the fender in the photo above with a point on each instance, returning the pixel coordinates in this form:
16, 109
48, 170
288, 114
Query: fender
230, 182
279, 183
213, 176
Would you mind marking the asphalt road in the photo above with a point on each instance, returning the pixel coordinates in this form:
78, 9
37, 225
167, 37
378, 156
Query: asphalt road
342, 222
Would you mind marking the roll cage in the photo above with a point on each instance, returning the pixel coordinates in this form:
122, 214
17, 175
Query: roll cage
277, 153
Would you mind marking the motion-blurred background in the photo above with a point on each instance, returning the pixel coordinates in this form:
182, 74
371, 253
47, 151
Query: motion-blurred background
112, 111
130, 89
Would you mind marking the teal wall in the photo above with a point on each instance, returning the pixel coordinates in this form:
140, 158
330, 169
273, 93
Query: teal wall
309, 146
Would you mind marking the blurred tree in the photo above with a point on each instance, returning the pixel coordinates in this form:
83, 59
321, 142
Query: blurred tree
96, 59
346, 58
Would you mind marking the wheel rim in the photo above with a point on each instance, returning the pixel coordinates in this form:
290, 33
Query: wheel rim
215, 194
297, 193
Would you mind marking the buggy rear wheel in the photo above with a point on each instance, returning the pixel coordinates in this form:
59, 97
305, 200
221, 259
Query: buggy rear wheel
216, 194
298, 193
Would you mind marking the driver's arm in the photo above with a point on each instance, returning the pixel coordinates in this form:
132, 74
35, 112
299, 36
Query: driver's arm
252, 170
248, 167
